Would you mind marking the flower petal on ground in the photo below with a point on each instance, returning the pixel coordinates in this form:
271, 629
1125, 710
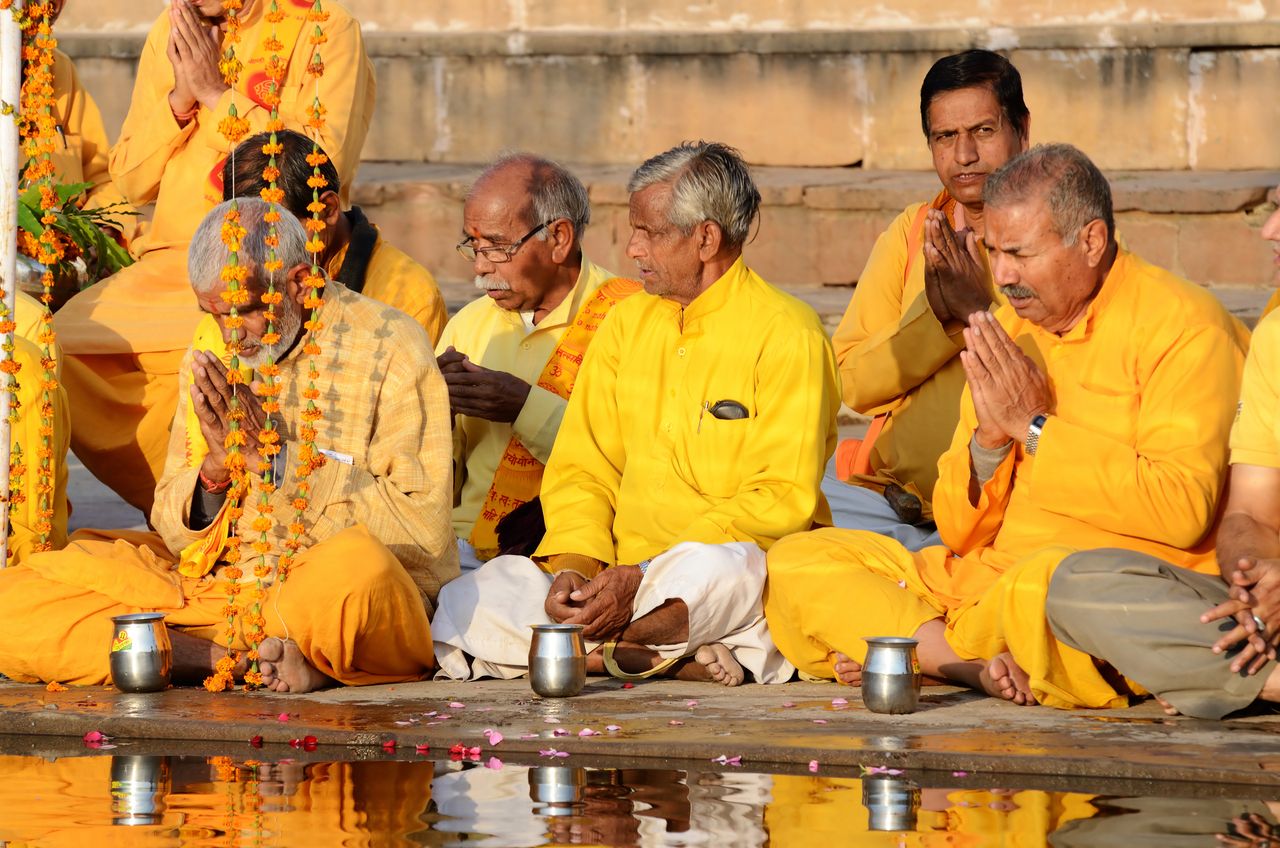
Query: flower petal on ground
838, 702
282, 717
612, 728
819, 721
493, 736
457, 705
676, 723
813, 765
586, 731
493, 763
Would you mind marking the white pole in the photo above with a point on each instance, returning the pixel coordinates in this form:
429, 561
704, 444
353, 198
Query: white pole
10, 95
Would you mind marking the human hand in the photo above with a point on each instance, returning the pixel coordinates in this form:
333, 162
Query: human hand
1008, 389
198, 49
606, 602
955, 275
1254, 596
181, 100
211, 396
558, 606
450, 362
484, 393
1250, 831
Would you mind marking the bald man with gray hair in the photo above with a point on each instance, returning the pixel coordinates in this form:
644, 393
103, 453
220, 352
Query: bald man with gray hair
696, 437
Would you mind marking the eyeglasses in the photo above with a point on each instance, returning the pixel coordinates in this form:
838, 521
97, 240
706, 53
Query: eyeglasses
497, 253
981, 134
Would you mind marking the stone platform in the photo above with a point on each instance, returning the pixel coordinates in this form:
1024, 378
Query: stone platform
772, 728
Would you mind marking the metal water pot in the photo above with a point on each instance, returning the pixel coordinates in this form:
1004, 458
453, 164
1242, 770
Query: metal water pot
557, 660
141, 656
891, 675
892, 803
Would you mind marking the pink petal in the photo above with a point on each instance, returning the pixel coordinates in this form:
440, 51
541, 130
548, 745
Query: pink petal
473, 753
493, 736
389, 745
547, 752
628, 686
838, 702
819, 721
874, 769
813, 765
561, 754
691, 703
430, 714
96, 736
586, 731
734, 761
493, 763
959, 774
550, 720
675, 723
457, 705
613, 728
788, 705
423, 748
559, 731
894, 771
404, 723
444, 715
282, 717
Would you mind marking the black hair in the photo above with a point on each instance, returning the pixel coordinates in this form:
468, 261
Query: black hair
973, 69
245, 180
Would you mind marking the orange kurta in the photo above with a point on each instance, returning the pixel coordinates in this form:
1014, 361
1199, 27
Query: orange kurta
124, 337
1133, 456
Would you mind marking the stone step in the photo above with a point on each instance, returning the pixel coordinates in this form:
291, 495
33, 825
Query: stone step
818, 224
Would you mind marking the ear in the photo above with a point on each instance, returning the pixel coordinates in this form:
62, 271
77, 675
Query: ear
562, 234
1026, 134
332, 208
295, 287
1095, 241
710, 239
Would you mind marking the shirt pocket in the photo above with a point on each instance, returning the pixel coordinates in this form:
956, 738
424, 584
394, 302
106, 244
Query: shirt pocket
710, 459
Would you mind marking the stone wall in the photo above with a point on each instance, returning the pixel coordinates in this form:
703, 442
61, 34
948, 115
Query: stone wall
799, 83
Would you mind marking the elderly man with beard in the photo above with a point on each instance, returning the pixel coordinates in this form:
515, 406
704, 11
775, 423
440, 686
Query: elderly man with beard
374, 536
510, 358
1096, 414
695, 438
124, 338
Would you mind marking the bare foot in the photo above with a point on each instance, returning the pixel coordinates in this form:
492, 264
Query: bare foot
1004, 678
1169, 709
720, 664
285, 669
848, 671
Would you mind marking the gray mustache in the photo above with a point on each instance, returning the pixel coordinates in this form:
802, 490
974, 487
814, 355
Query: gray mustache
1017, 291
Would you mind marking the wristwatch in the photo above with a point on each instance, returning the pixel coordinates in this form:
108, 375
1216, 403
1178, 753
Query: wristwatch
1033, 433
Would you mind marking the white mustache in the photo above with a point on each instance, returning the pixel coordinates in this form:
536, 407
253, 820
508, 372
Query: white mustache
491, 284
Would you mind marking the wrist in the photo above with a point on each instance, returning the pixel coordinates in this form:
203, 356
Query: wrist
990, 441
1034, 428
214, 473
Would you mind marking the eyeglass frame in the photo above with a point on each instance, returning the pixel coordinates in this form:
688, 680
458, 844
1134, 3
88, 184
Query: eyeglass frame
506, 251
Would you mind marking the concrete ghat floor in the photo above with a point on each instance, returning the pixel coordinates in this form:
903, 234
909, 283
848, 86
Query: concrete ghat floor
775, 728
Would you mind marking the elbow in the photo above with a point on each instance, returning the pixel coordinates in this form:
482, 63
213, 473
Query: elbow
1185, 521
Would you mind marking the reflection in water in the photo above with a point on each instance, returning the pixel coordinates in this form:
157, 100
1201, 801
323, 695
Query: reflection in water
103, 801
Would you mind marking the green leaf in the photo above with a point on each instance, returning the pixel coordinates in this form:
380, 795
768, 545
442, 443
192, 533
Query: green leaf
28, 220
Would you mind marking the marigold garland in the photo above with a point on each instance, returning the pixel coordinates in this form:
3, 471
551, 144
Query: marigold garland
234, 127
37, 128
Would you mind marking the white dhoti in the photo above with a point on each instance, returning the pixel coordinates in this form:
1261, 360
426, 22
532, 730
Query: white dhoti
482, 626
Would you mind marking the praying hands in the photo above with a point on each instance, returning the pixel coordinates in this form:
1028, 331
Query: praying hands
955, 274
1008, 389
194, 49
211, 396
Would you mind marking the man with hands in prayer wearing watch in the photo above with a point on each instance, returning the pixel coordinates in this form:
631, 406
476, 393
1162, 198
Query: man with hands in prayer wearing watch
1095, 415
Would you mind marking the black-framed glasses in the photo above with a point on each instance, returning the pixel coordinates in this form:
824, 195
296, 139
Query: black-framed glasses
497, 253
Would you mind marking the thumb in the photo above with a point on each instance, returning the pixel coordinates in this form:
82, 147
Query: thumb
586, 591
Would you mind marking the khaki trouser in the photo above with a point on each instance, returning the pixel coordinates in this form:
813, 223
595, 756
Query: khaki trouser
1142, 616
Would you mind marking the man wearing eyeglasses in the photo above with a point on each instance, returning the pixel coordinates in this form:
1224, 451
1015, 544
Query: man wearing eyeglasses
898, 344
695, 438
510, 357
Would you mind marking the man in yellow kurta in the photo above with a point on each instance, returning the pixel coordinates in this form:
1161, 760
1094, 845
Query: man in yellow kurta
1096, 415
694, 439
898, 344
355, 253
124, 337
505, 354
1169, 630
373, 530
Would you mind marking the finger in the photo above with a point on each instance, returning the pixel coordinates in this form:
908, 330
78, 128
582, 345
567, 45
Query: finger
1242, 659
200, 406
1237, 635
1226, 609
978, 344
1001, 338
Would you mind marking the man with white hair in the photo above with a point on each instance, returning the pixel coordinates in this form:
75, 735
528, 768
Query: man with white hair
696, 436
368, 517
510, 357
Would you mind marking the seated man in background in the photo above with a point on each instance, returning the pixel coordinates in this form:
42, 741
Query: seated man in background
354, 254
695, 437
898, 344
373, 536
1204, 644
511, 356
124, 338
1096, 414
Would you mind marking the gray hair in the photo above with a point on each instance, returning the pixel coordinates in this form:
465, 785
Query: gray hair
207, 254
1074, 188
554, 192
710, 182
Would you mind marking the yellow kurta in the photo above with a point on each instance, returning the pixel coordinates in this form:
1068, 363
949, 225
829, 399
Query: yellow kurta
895, 356
1133, 456
124, 337
497, 338
395, 279
1255, 438
80, 154
377, 541
640, 464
